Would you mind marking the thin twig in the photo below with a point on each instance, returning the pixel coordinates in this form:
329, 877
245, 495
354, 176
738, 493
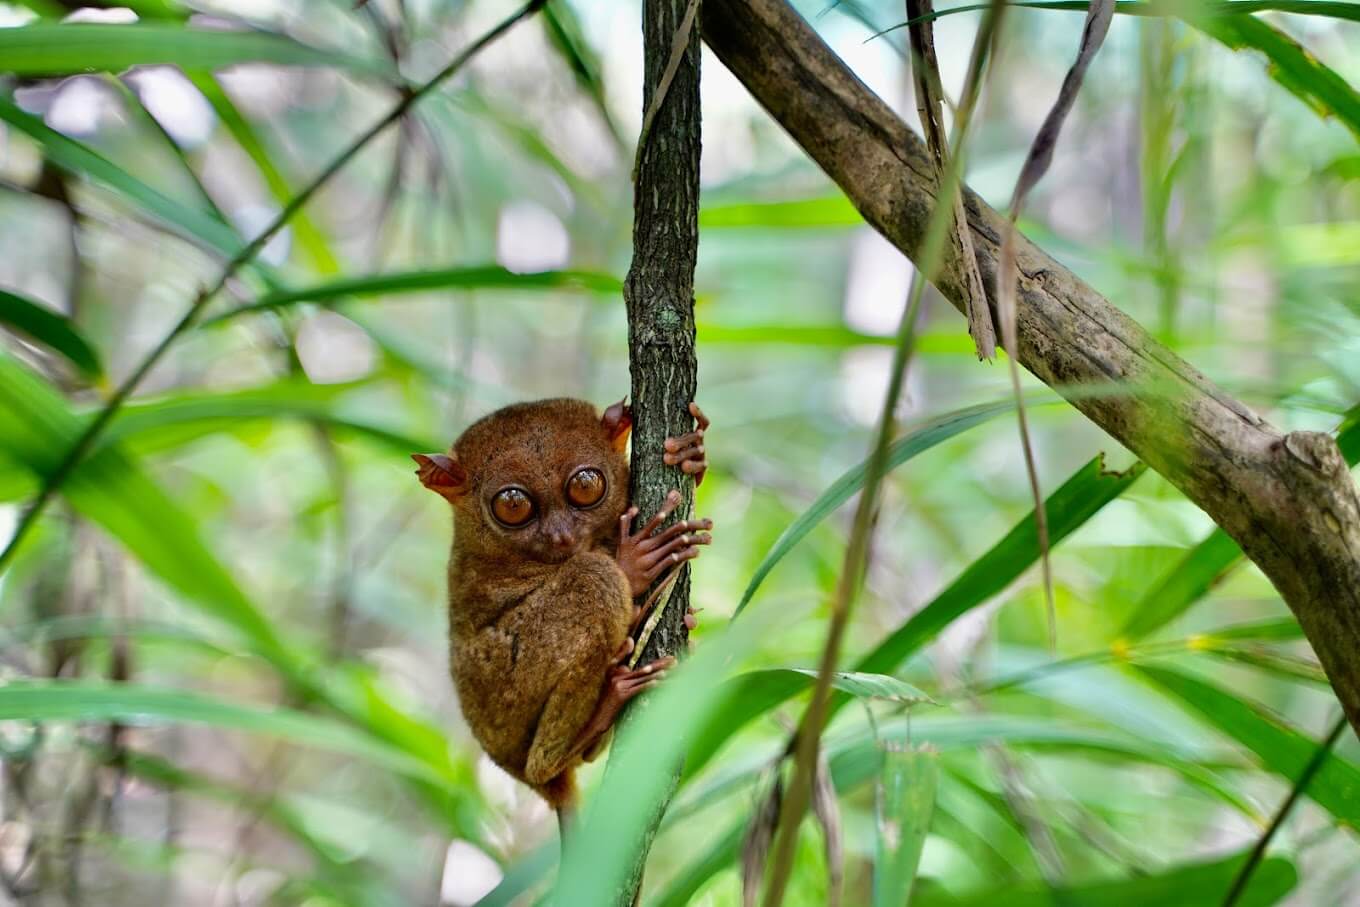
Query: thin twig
678, 46
96, 427
852, 568
1319, 758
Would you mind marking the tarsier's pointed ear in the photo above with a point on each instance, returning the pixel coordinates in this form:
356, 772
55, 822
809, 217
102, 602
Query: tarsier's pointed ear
617, 422
442, 474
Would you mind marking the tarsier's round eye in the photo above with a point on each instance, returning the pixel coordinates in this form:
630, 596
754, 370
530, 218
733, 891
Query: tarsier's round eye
586, 487
512, 507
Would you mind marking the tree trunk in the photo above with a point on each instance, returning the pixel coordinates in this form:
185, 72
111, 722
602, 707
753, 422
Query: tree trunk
1287, 499
659, 293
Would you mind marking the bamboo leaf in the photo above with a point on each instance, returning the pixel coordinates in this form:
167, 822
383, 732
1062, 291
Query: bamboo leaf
79, 159
918, 440
1212, 559
35, 429
1189, 885
47, 49
65, 700
860, 685
1281, 748
907, 799
480, 277
1070, 506
52, 330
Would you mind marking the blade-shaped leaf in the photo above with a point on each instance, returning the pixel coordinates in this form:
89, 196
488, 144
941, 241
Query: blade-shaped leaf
1192, 885
1212, 559
35, 429
481, 277
1070, 506
45, 48
907, 791
918, 440
77, 158
52, 330
1281, 748
66, 700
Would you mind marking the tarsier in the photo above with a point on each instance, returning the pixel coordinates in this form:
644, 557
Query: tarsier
543, 577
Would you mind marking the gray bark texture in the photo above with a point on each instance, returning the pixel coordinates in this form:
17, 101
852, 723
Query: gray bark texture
1287, 499
659, 294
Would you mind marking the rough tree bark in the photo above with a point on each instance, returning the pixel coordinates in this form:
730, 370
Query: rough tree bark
659, 293
1287, 499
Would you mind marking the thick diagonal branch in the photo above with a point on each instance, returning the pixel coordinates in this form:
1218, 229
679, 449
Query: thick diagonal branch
1288, 500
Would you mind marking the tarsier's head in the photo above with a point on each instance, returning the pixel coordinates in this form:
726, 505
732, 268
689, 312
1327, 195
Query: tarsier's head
542, 480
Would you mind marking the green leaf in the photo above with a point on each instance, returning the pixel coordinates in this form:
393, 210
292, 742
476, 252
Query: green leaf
1187, 582
1209, 561
834, 336
920, 439
1281, 748
47, 49
909, 778
825, 212
871, 686
82, 700
481, 277
1068, 507
309, 235
36, 429
1317, 85
52, 330
77, 158
1189, 885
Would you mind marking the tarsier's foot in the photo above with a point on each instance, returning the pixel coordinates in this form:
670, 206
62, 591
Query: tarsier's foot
625, 683
687, 451
643, 555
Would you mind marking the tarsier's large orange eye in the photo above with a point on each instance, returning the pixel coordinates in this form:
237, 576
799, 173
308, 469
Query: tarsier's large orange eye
512, 507
586, 488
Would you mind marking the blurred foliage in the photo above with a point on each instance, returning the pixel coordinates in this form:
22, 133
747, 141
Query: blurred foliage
224, 657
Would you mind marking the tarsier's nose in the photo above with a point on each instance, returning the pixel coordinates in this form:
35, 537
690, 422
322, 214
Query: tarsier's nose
562, 539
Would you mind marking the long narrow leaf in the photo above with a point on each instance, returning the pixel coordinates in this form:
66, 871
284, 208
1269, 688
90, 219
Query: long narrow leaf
918, 440
481, 277
77, 158
1280, 747
54, 331
44, 48
1069, 507
1192, 885
908, 782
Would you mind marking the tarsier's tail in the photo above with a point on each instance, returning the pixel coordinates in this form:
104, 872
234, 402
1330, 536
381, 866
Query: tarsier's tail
561, 795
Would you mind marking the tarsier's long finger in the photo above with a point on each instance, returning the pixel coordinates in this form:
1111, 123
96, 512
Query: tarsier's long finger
682, 442
672, 501
692, 618
675, 557
674, 545
684, 455
699, 416
671, 532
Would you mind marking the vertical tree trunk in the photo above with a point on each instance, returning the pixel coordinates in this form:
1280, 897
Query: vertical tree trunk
659, 290
659, 293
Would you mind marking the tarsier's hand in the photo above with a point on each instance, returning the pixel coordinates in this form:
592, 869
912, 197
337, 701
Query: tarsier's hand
687, 451
645, 554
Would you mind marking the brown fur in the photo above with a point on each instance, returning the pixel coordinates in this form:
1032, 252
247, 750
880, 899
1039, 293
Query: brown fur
534, 623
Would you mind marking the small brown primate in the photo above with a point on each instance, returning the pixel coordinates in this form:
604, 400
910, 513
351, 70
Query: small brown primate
543, 576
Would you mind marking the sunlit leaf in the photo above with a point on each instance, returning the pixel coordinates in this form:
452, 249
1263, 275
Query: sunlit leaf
832, 211
1070, 506
1191, 885
52, 330
1281, 748
908, 781
482, 277
44, 48
81, 160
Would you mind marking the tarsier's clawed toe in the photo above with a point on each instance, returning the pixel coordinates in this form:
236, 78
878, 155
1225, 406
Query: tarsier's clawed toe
625, 683
687, 451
